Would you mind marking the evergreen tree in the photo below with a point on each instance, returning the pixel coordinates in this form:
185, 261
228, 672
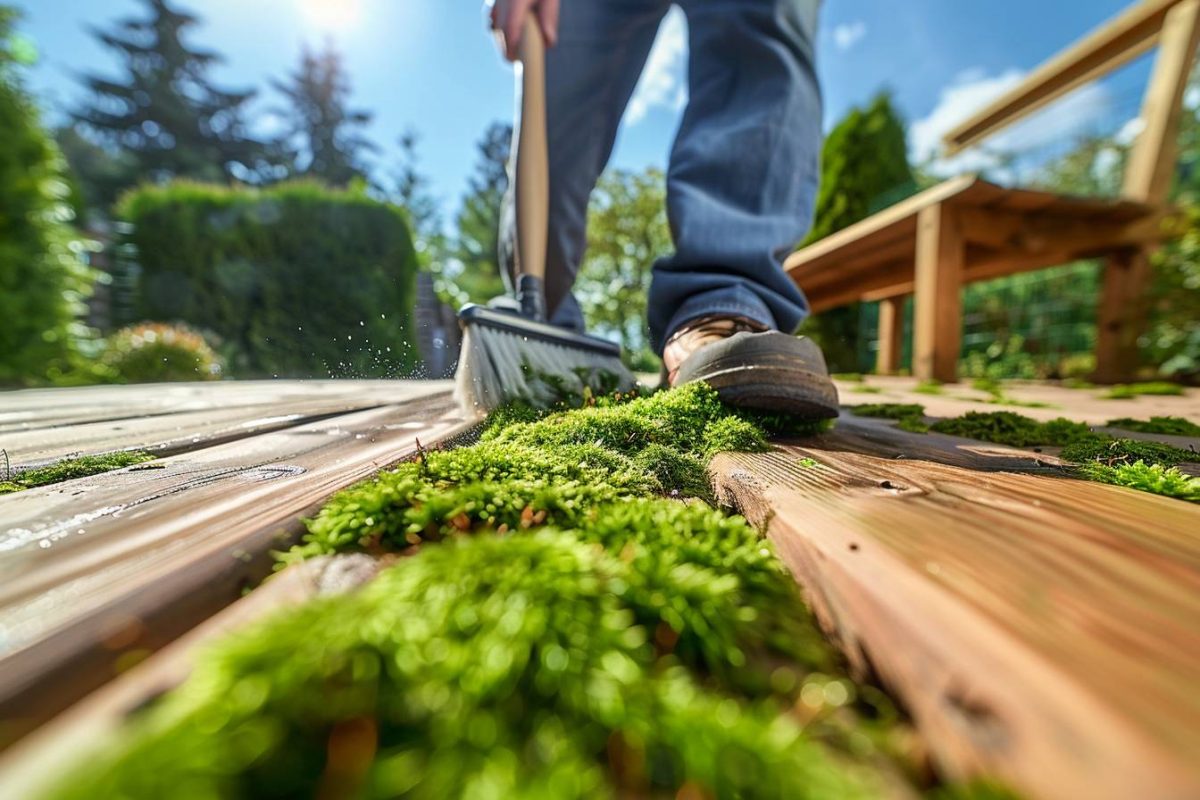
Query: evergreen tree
164, 111
324, 139
864, 167
411, 192
43, 279
475, 275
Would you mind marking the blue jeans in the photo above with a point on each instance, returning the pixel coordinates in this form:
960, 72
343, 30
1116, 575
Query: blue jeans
743, 169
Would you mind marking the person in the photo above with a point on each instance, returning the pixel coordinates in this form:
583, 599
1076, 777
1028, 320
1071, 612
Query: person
741, 182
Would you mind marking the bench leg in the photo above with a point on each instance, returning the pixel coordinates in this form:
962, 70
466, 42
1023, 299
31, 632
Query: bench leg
937, 332
891, 335
1120, 315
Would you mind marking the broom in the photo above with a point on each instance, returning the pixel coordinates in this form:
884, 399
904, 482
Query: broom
509, 350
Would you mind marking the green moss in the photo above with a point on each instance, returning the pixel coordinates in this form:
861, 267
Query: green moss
865, 389
1132, 390
1112, 452
1170, 426
889, 410
913, 425
929, 387
1015, 430
1153, 478
71, 468
534, 665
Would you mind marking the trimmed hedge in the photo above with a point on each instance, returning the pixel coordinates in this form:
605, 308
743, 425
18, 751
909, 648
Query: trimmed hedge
296, 280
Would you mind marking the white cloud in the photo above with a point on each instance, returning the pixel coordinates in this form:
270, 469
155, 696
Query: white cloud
664, 80
1129, 131
1064, 119
848, 34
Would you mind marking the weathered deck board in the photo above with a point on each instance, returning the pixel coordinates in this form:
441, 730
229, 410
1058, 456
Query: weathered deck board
167, 433
103, 566
1043, 630
30, 767
37, 409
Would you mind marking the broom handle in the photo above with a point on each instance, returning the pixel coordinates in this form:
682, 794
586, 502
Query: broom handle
532, 174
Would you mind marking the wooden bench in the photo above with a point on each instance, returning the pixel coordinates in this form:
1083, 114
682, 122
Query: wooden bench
967, 229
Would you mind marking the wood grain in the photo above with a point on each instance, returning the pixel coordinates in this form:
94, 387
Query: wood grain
94, 569
1042, 630
30, 767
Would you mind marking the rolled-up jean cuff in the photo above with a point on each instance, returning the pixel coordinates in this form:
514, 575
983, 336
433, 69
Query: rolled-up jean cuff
732, 301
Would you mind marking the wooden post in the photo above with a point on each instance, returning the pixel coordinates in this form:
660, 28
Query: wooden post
891, 335
1148, 176
937, 330
1120, 315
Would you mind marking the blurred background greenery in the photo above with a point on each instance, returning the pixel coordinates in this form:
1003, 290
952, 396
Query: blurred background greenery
155, 236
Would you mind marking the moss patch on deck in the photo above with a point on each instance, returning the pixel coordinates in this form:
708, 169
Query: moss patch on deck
71, 468
1169, 426
568, 624
1145, 466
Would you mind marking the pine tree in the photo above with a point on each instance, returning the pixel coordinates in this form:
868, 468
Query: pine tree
164, 111
864, 168
324, 139
476, 247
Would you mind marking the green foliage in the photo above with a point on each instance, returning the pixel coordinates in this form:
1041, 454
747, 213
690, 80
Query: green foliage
71, 468
154, 352
1153, 478
864, 167
1015, 430
929, 387
627, 232
324, 140
295, 280
1170, 426
1133, 390
43, 275
164, 113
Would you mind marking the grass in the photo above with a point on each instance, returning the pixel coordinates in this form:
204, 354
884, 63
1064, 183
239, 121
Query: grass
1132, 390
929, 387
563, 626
71, 468
1170, 426
1010, 428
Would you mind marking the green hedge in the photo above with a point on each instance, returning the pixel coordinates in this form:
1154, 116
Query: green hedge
43, 275
297, 280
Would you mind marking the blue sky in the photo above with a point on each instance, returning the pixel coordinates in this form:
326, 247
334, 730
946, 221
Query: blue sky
427, 64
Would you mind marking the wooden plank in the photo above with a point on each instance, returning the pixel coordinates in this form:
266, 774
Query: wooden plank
891, 335
937, 329
38, 409
29, 768
1117, 42
164, 434
878, 224
96, 568
1152, 160
1042, 631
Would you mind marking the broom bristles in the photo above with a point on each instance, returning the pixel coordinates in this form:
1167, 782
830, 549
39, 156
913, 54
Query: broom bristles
498, 366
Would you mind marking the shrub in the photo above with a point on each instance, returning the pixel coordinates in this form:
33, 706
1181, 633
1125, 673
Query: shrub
43, 277
297, 280
156, 352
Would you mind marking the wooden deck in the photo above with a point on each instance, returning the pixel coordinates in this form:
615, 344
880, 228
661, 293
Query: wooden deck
1039, 629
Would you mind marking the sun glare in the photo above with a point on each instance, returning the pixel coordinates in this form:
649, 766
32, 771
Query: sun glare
331, 15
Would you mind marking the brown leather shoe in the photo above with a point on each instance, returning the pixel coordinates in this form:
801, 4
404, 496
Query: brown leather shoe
751, 366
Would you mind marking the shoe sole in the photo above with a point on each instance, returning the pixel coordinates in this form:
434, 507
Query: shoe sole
766, 371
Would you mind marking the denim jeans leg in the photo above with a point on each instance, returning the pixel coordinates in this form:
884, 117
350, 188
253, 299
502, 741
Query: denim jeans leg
743, 173
590, 75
